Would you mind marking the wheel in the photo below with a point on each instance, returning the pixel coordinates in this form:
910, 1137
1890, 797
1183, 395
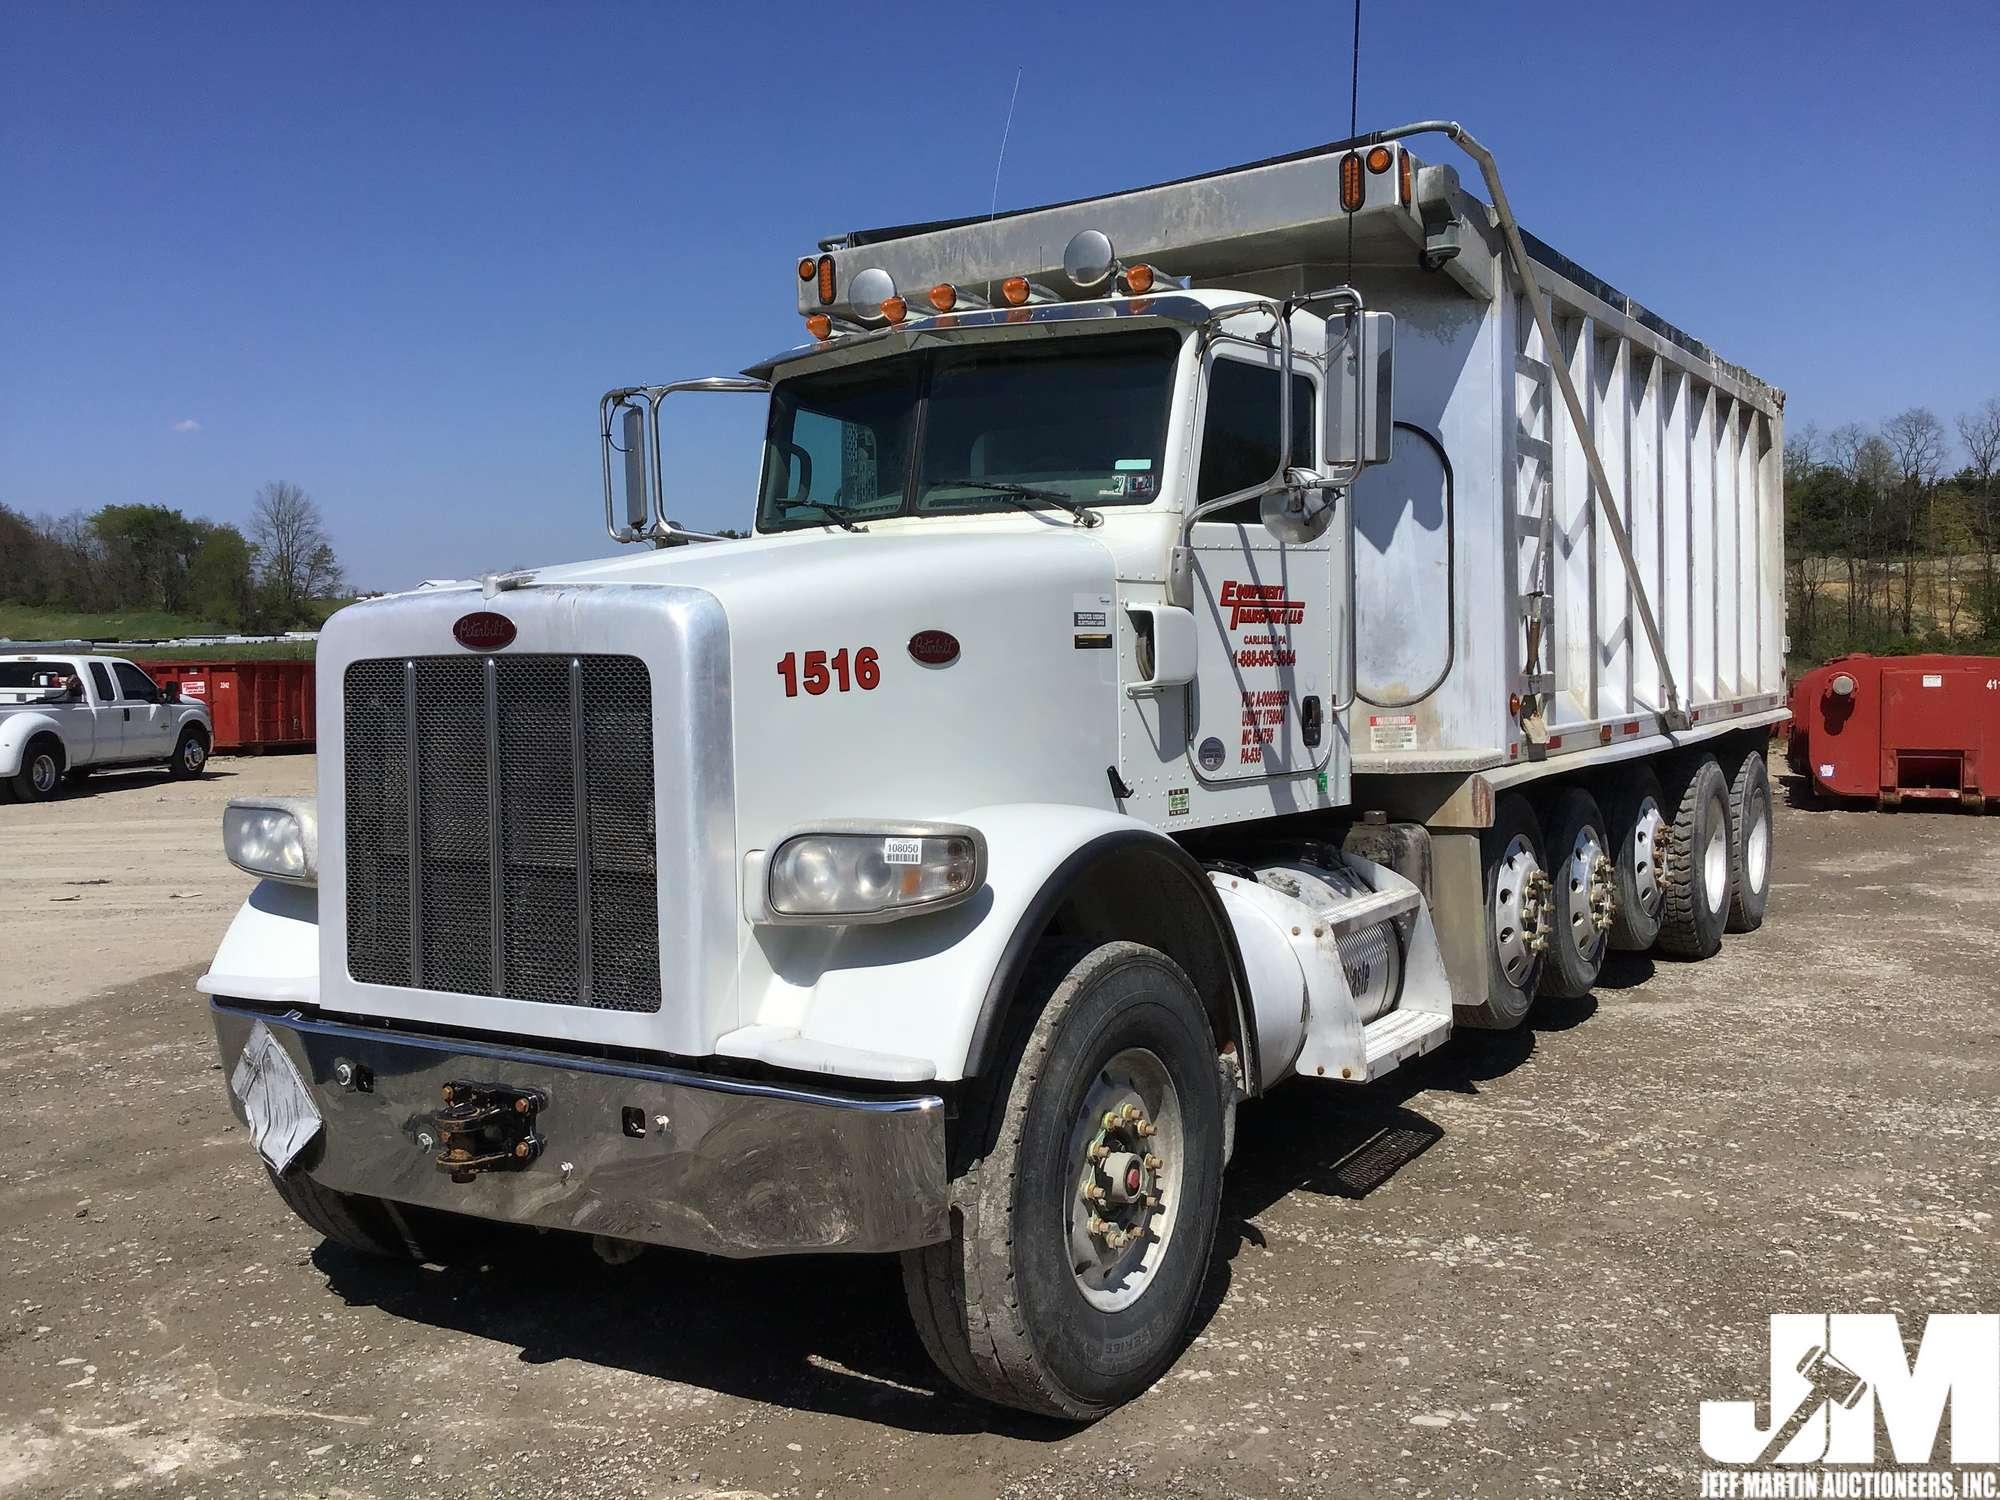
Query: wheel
1087, 1187
1517, 915
373, 1226
1633, 817
1749, 843
1697, 865
40, 776
190, 754
1583, 893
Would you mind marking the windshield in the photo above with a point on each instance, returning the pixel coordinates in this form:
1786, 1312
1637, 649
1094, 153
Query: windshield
934, 431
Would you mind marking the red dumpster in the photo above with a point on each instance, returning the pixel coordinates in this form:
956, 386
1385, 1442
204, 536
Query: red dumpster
258, 705
1896, 727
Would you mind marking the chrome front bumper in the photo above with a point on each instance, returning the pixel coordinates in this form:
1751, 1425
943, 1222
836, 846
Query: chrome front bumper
662, 1155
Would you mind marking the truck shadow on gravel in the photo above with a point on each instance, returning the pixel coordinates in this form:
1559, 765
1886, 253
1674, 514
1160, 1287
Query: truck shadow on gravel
829, 1334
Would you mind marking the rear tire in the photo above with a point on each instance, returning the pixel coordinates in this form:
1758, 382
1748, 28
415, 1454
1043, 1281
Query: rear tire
190, 755
1697, 877
373, 1226
1516, 915
1026, 1305
1582, 885
1635, 817
1749, 843
41, 773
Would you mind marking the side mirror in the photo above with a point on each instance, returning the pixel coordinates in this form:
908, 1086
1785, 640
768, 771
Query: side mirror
1165, 646
638, 500
1359, 410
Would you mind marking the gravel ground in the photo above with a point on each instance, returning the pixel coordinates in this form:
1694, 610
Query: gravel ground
1515, 1269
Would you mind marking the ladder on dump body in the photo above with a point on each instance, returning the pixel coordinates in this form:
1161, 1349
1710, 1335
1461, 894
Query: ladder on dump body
1531, 544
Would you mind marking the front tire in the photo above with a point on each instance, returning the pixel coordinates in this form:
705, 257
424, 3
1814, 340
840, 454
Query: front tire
373, 1226
1088, 1187
1697, 872
1749, 843
190, 755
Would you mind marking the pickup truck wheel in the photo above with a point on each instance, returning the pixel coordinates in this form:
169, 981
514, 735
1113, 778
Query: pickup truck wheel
1088, 1184
1749, 843
1518, 914
40, 776
190, 754
1583, 892
373, 1226
1697, 866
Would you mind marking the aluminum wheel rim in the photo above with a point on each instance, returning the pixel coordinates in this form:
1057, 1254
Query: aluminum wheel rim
1131, 1091
1757, 847
1647, 850
1715, 866
1585, 935
43, 773
193, 755
1511, 924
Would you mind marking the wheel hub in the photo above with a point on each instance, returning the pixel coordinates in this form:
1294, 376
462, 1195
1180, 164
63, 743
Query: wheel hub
1522, 911
1127, 1146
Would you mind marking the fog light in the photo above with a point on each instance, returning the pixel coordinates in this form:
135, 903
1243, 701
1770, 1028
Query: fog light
873, 872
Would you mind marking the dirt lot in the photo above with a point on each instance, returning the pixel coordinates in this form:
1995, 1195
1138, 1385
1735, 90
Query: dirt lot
123, 877
1513, 1271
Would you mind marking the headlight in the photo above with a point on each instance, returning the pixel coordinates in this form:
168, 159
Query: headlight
276, 837
873, 872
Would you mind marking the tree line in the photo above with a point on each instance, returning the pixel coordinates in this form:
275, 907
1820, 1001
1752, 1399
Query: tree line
1892, 535
266, 577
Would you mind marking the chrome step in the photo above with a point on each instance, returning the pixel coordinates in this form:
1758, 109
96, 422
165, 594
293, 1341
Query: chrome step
1366, 911
1391, 1040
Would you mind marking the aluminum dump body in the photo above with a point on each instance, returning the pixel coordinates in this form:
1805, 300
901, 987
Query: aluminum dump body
1892, 728
1497, 621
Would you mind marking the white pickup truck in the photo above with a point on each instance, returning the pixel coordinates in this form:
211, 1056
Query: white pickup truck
71, 715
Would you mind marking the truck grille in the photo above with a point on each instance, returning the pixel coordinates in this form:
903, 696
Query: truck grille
500, 835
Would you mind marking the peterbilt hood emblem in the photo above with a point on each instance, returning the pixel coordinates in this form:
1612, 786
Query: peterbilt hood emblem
934, 648
483, 630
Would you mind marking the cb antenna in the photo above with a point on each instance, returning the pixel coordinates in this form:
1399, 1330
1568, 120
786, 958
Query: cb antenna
1353, 124
993, 212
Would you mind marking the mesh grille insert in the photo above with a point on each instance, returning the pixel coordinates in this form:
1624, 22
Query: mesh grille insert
500, 829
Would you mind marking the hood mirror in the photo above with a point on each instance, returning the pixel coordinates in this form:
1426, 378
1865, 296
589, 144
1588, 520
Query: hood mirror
1089, 260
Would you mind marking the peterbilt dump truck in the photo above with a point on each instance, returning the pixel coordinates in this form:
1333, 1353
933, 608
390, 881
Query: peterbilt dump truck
1222, 633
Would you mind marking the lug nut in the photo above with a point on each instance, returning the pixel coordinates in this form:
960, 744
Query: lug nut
1090, 1192
1153, 1163
1146, 1128
1099, 1151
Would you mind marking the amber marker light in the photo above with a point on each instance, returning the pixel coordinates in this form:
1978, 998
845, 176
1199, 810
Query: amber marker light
944, 296
1379, 159
819, 325
1014, 291
1139, 280
808, 268
895, 309
825, 273
1403, 171
1351, 190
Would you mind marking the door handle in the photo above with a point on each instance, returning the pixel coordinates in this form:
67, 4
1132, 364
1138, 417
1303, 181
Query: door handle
128, 716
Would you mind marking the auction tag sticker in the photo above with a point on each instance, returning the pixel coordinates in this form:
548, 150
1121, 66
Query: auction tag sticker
1933, 679
903, 851
1392, 731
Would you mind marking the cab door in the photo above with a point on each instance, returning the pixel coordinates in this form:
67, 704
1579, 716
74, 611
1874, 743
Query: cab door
1268, 614
148, 723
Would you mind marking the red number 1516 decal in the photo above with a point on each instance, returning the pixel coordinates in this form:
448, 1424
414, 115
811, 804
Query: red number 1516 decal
822, 672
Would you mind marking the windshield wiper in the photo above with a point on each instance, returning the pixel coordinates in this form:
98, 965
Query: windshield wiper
1026, 496
842, 515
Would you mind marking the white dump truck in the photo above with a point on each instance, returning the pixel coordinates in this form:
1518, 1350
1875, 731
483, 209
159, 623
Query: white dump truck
1221, 633
64, 715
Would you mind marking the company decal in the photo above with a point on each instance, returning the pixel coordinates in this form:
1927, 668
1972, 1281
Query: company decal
482, 630
1265, 604
841, 671
1211, 754
194, 687
1846, 1402
934, 648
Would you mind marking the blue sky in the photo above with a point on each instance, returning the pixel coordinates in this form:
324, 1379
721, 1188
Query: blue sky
394, 253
